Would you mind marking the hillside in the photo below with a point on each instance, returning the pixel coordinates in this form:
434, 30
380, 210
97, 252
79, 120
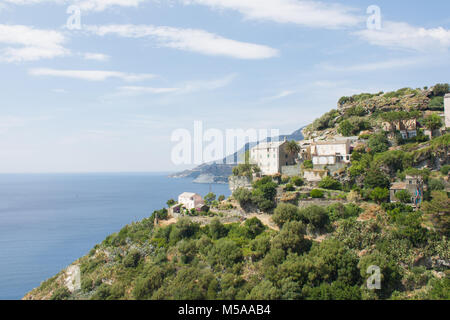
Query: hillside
288, 238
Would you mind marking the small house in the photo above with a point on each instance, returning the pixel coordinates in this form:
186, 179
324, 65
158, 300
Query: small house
191, 200
412, 184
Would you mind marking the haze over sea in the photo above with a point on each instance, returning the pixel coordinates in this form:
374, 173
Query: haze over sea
47, 221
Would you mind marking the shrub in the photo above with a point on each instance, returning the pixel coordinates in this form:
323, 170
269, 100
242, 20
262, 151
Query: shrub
308, 164
379, 195
315, 215
285, 212
445, 169
243, 196
436, 184
378, 143
330, 183
132, 259
297, 181
441, 89
375, 178
62, 293
289, 187
316, 193
404, 196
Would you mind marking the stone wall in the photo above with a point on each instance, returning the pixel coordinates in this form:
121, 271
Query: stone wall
235, 182
291, 171
319, 202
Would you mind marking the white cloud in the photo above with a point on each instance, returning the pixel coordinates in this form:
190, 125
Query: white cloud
307, 13
282, 94
86, 5
90, 75
404, 36
30, 44
193, 40
374, 66
96, 56
186, 88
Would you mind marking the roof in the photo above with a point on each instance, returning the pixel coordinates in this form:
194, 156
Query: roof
398, 186
187, 194
264, 145
331, 142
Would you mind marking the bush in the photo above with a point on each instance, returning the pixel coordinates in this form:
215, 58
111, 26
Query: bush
339, 211
441, 89
285, 212
308, 164
436, 185
132, 259
404, 196
379, 195
330, 183
378, 143
62, 293
375, 178
316, 193
315, 215
289, 187
243, 196
297, 181
445, 169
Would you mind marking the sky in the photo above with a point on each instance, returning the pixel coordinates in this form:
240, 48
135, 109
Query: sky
106, 95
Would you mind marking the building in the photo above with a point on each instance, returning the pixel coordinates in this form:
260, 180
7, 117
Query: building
412, 184
407, 128
271, 156
330, 152
447, 110
191, 200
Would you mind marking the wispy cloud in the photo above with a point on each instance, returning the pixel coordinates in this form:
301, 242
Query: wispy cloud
374, 66
11, 122
85, 5
186, 88
282, 94
193, 40
91, 75
96, 56
309, 13
400, 35
29, 44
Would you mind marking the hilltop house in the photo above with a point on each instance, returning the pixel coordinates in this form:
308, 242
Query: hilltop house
447, 110
271, 156
407, 128
191, 200
330, 152
412, 184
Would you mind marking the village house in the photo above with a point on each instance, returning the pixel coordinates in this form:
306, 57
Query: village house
407, 128
447, 110
191, 200
412, 184
271, 156
330, 152
314, 175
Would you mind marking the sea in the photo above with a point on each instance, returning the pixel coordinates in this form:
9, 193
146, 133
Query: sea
47, 221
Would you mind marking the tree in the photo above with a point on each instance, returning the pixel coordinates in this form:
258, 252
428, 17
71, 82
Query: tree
291, 238
404, 196
436, 185
441, 89
171, 202
315, 215
243, 196
316, 193
439, 210
285, 212
308, 164
378, 143
221, 198
330, 183
292, 148
209, 198
216, 229
379, 195
375, 178
346, 128
433, 122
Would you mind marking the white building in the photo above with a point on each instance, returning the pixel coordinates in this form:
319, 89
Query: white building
330, 152
271, 156
447, 110
191, 200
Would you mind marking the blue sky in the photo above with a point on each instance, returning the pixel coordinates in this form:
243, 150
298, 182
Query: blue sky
107, 97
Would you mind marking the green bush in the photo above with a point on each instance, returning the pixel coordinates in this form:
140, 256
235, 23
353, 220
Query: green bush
404, 196
62, 293
445, 169
132, 259
330, 183
297, 181
316, 193
285, 212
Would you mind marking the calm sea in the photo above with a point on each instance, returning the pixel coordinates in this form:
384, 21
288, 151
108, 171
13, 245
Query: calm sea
49, 220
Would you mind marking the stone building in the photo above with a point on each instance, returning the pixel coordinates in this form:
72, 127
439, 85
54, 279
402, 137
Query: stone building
271, 156
407, 128
412, 184
330, 152
191, 200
